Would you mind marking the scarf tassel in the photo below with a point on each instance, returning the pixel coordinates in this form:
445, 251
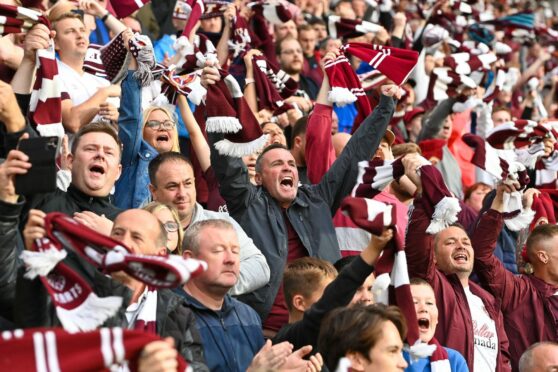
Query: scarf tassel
445, 213
229, 148
90, 314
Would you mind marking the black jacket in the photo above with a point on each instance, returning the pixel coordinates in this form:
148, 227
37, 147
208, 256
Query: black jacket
70, 202
311, 212
10, 247
338, 293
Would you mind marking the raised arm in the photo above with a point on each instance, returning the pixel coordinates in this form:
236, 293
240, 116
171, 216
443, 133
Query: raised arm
341, 177
490, 270
199, 143
232, 174
319, 152
129, 123
338, 293
94, 8
419, 246
435, 121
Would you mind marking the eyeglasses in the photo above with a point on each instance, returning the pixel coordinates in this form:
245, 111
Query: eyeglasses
171, 226
156, 124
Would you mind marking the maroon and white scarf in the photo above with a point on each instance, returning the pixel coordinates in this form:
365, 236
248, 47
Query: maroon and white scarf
46, 102
77, 307
445, 83
273, 11
123, 8
268, 84
394, 63
464, 63
53, 349
346, 87
229, 113
344, 28
240, 41
516, 134
392, 284
188, 85
508, 171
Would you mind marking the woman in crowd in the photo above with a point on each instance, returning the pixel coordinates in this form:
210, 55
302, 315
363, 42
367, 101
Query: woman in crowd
168, 216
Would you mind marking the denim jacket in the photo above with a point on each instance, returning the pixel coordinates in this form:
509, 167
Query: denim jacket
132, 187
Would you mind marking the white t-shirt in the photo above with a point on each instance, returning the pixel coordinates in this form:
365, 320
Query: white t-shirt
484, 331
81, 87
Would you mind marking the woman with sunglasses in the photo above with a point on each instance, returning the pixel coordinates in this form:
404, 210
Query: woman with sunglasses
169, 218
144, 135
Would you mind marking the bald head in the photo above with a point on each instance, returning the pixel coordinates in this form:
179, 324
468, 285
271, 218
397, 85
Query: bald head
340, 141
542, 356
140, 231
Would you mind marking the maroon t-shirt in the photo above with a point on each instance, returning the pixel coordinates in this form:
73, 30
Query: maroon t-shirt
279, 314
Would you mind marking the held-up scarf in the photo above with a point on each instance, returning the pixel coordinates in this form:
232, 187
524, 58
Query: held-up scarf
77, 307
392, 285
46, 102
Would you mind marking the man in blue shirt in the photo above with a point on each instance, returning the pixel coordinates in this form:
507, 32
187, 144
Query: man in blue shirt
230, 330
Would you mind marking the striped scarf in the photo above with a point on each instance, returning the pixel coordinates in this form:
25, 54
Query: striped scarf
46, 102
53, 349
392, 284
77, 307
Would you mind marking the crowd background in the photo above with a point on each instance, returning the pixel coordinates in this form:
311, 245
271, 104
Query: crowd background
312, 185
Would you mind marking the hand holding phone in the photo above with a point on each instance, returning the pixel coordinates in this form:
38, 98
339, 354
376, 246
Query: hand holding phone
41, 177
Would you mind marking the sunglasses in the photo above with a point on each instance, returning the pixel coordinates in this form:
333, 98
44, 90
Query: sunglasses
171, 226
156, 124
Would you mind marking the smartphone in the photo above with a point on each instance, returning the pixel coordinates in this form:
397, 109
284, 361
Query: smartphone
41, 177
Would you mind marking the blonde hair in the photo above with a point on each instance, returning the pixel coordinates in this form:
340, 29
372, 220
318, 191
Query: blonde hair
155, 207
172, 116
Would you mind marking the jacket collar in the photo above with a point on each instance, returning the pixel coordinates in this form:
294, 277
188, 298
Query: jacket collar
298, 200
543, 287
193, 302
82, 197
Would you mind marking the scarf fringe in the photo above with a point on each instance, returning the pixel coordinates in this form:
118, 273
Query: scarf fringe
145, 60
341, 96
521, 221
92, 313
41, 263
421, 350
445, 213
238, 150
222, 124
440, 366
51, 130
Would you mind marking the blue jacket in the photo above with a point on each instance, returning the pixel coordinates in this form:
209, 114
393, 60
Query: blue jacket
456, 360
131, 188
230, 337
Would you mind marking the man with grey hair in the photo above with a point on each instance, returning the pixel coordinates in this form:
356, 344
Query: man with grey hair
542, 356
230, 330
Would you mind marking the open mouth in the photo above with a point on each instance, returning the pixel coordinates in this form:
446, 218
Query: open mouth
162, 138
460, 258
423, 324
97, 169
287, 182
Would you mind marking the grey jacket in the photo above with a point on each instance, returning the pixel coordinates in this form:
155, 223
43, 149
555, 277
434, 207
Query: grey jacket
311, 212
254, 270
